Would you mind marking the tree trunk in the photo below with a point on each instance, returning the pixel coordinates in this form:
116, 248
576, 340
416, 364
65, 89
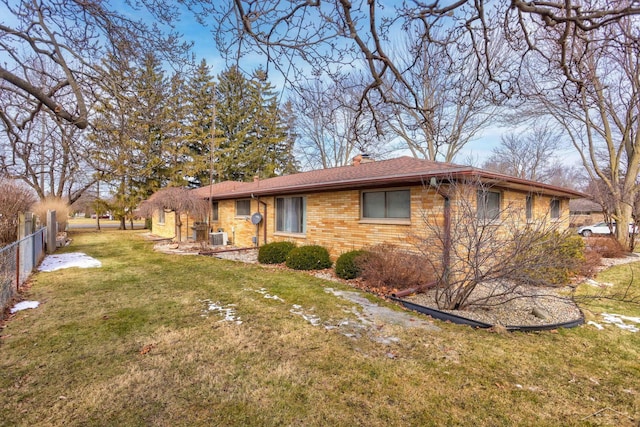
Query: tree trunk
622, 215
178, 227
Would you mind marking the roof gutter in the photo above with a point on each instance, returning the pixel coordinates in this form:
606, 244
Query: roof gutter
404, 179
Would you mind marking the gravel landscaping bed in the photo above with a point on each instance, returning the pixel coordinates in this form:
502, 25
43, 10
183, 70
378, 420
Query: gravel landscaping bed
528, 306
532, 306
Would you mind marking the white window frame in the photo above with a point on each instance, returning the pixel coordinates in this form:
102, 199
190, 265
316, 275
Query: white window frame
285, 224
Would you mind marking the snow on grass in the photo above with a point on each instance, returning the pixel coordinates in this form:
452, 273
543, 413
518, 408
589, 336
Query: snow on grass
311, 318
228, 312
619, 321
24, 305
73, 259
263, 292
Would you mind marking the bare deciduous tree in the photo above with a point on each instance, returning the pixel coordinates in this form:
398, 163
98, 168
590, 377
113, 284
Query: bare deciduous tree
325, 38
595, 99
529, 155
453, 104
46, 154
330, 132
52, 51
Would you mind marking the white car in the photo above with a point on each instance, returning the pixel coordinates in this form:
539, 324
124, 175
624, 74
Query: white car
603, 229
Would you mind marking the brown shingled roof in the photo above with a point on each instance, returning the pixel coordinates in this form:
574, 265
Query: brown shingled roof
584, 205
399, 171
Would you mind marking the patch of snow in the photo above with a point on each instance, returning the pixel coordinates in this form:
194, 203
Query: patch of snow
264, 293
597, 325
73, 259
24, 305
228, 312
596, 284
619, 321
311, 318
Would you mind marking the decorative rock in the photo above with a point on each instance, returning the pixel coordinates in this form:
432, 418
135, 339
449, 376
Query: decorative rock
539, 313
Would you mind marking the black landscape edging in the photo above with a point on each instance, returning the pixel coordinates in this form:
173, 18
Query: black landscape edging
459, 320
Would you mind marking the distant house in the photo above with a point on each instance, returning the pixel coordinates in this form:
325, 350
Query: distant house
366, 203
585, 212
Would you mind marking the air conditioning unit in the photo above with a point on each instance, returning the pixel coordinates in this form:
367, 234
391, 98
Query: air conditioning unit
218, 239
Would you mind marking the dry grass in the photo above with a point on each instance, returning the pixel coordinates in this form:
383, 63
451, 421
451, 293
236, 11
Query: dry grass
133, 344
53, 204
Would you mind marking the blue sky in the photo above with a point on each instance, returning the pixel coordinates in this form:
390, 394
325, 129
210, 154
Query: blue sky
204, 48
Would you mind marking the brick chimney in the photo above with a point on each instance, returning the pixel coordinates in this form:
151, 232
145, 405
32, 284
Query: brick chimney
366, 158
361, 159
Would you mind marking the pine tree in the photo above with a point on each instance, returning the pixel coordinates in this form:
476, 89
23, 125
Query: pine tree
112, 136
254, 135
176, 153
288, 162
138, 132
234, 106
150, 117
198, 129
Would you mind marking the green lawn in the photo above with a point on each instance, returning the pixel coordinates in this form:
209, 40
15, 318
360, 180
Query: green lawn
134, 343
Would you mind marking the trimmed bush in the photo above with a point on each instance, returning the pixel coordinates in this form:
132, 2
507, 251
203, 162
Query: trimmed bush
349, 264
275, 252
312, 257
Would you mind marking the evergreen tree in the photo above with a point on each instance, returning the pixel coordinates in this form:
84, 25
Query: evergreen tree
198, 127
175, 148
138, 132
289, 164
254, 137
149, 120
233, 121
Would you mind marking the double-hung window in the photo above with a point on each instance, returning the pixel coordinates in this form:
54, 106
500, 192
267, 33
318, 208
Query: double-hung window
291, 214
395, 204
488, 205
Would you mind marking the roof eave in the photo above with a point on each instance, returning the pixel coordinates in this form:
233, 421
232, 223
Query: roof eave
405, 179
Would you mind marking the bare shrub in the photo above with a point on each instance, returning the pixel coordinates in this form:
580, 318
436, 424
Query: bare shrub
387, 267
481, 239
15, 198
606, 247
592, 261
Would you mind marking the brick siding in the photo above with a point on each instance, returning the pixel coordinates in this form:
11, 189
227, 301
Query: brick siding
334, 219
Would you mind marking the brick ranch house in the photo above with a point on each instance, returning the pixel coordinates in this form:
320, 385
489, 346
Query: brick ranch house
366, 203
